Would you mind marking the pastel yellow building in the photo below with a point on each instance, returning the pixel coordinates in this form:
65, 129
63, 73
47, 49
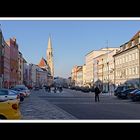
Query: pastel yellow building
103, 74
84, 75
89, 63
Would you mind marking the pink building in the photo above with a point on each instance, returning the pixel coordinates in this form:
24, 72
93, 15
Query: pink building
13, 61
6, 65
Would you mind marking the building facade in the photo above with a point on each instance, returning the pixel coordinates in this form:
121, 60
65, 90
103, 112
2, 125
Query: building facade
41, 76
108, 71
89, 64
6, 66
13, 61
84, 75
20, 68
74, 75
26, 72
79, 79
98, 71
103, 66
127, 63
1, 59
33, 74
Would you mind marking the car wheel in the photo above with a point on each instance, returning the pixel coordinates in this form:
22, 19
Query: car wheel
2, 117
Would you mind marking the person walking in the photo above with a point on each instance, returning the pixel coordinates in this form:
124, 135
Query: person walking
97, 92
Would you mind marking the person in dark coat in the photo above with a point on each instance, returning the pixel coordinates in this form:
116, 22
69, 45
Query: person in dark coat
97, 92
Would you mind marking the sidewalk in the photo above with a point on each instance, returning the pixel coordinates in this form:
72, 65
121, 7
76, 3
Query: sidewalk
35, 108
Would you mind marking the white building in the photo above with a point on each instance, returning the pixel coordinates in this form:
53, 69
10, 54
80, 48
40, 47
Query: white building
89, 63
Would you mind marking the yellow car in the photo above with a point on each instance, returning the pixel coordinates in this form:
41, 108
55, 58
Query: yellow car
10, 110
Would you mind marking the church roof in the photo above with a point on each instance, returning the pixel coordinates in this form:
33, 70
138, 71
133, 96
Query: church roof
42, 62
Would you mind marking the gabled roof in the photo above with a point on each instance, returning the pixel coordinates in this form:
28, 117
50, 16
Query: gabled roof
135, 36
42, 62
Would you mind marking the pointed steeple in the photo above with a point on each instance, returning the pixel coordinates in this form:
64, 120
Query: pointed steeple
50, 56
49, 43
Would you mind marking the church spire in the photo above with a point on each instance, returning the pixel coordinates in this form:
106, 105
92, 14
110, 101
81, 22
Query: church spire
50, 56
49, 43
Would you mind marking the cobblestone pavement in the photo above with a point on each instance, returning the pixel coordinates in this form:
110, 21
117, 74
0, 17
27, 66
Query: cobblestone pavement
35, 108
83, 106
75, 105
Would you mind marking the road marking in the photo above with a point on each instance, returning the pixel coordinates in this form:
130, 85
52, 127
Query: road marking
29, 110
98, 103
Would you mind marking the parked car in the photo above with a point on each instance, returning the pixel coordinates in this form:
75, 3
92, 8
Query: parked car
6, 94
132, 93
136, 96
24, 89
20, 95
19, 91
30, 87
124, 94
120, 89
92, 89
36, 88
85, 89
10, 109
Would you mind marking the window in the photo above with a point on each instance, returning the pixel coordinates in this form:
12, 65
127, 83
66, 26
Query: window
136, 70
133, 43
133, 71
3, 92
126, 72
120, 60
117, 62
129, 71
133, 56
126, 58
130, 57
136, 55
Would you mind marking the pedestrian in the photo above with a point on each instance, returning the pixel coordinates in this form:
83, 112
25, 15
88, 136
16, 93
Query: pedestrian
97, 92
49, 88
55, 89
60, 89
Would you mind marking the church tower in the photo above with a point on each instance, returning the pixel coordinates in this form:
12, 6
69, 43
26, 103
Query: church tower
50, 57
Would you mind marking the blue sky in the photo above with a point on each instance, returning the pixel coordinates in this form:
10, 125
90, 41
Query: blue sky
71, 39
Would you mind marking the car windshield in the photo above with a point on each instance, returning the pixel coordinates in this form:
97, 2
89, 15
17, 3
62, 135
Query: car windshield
119, 89
136, 90
3, 92
13, 91
21, 88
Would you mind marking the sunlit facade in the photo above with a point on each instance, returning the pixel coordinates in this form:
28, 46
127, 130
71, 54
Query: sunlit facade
127, 63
